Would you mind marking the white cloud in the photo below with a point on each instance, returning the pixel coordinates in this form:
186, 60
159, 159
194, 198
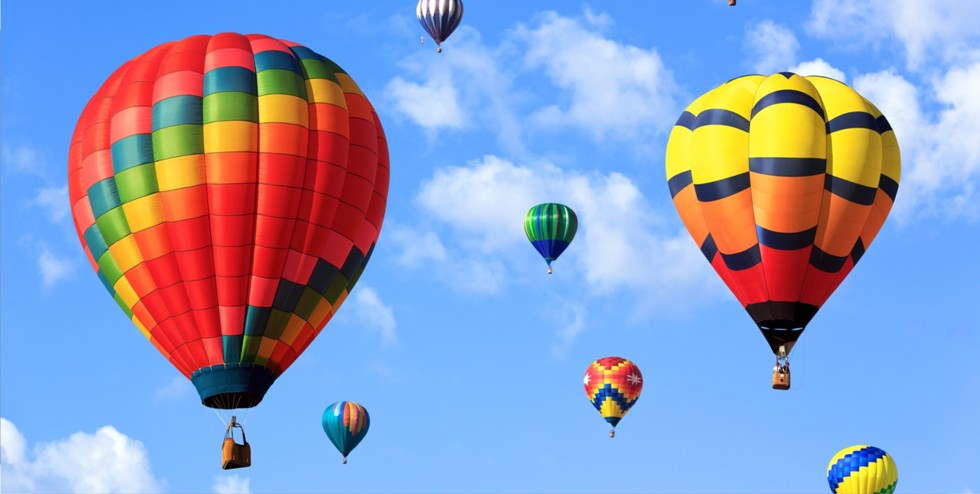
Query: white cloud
622, 92
416, 248
433, 104
23, 159
941, 154
819, 66
54, 200
177, 388
232, 484
937, 28
372, 312
107, 461
774, 45
53, 268
570, 318
483, 205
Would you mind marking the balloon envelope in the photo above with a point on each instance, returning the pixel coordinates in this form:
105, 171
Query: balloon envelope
229, 191
346, 423
439, 18
862, 470
613, 385
783, 181
550, 227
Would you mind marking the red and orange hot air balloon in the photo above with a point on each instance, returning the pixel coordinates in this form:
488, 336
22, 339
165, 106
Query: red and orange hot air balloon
229, 190
783, 181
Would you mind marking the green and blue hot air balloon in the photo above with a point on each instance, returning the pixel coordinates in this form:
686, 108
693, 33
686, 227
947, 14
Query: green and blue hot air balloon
345, 423
550, 227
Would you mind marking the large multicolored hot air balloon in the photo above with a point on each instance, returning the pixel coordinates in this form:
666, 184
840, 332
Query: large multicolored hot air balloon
346, 423
783, 181
613, 385
550, 227
229, 191
439, 18
862, 470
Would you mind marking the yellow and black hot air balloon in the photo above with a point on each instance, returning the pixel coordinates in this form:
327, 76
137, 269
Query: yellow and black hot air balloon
783, 181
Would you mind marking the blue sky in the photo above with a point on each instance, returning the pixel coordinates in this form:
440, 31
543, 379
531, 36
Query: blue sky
469, 357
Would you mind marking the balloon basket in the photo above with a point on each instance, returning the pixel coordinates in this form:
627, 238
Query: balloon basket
234, 455
780, 377
612, 433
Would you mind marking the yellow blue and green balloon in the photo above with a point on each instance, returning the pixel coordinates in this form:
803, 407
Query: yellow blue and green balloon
346, 423
862, 469
550, 227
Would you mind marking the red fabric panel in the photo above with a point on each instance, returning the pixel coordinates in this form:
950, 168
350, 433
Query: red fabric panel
785, 271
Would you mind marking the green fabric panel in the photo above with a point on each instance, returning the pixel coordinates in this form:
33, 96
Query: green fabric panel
278, 81
231, 105
315, 69
137, 182
122, 305
111, 270
357, 275
113, 225
179, 140
307, 303
277, 323
263, 361
333, 67
250, 348
336, 288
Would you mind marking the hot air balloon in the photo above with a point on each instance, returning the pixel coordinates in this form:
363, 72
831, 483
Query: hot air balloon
613, 385
439, 18
862, 470
550, 227
346, 423
783, 181
228, 190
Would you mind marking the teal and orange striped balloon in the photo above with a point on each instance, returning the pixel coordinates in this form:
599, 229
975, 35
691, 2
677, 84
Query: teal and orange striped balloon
783, 182
862, 470
346, 423
229, 190
550, 227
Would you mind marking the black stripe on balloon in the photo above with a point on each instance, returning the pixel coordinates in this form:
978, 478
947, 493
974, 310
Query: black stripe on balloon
888, 186
856, 193
743, 260
883, 125
709, 248
788, 167
853, 120
858, 251
718, 116
786, 241
686, 120
788, 96
678, 182
825, 262
721, 189
787, 74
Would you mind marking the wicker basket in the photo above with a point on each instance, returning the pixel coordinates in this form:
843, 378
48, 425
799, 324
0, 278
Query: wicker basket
234, 455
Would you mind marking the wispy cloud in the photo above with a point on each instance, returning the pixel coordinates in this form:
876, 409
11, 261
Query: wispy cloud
819, 66
53, 268
368, 309
54, 200
482, 205
21, 159
623, 92
938, 29
66, 465
232, 484
176, 388
775, 47
570, 318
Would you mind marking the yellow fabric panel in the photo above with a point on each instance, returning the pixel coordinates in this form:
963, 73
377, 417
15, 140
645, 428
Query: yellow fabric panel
292, 329
325, 91
678, 158
233, 135
284, 108
748, 83
788, 130
266, 346
180, 172
321, 313
141, 327
891, 156
126, 292
837, 97
720, 151
348, 84
144, 212
856, 156
126, 253
610, 409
